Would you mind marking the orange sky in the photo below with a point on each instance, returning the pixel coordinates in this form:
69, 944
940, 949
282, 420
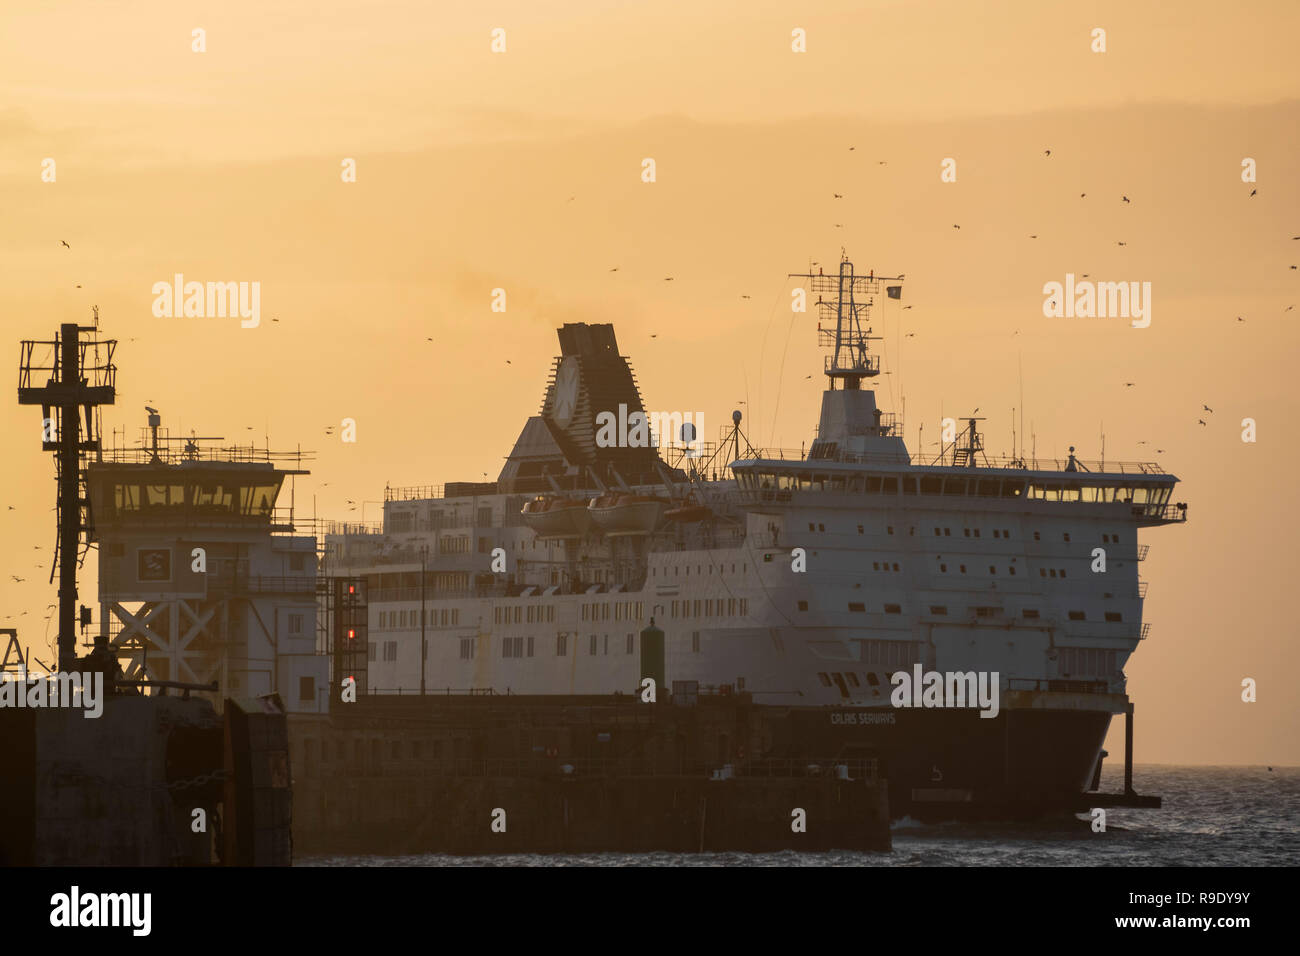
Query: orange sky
225, 166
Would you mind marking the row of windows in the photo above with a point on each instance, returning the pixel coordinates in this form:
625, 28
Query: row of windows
699, 569
1001, 533
710, 607
941, 610
961, 569
884, 566
623, 611
1071, 490
532, 613
434, 617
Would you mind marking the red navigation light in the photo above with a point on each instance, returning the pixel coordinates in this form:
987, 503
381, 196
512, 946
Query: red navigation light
352, 589
351, 633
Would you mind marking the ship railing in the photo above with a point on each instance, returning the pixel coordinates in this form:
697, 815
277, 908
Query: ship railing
864, 770
1146, 631
350, 528
413, 493
1142, 589
1142, 551
1165, 514
982, 462
1067, 685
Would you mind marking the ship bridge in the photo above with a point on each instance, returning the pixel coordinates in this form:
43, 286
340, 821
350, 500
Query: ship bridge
1143, 488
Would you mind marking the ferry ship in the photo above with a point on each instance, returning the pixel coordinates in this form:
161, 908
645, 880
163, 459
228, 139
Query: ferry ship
803, 581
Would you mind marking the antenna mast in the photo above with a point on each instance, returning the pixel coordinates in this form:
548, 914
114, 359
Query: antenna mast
847, 299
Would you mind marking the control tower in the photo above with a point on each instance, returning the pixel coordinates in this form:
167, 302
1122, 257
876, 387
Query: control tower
201, 575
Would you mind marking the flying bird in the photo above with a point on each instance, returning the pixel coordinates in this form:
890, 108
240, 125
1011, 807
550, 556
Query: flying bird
668, 278
17, 578
429, 339
1033, 237
744, 297
1200, 421
1122, 243
906, 307
655, 335
955, 226
1126, 199
1047, 152
1288, 308
507, 361
807, 376
1081, 195
65, 242
852, 148
1129, 384
837, 195
882, 163
1240, 319
615, 269
1253, 191
910, 335
1208, 409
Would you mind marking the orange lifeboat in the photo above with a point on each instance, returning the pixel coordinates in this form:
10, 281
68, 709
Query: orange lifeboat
688, 511
553, 516
622, 513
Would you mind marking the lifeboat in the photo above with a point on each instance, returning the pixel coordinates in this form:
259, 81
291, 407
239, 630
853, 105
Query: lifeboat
688, 511
626, 514
552, 516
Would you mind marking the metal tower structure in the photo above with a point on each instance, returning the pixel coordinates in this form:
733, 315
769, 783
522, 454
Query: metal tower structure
69, 377
847, 300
